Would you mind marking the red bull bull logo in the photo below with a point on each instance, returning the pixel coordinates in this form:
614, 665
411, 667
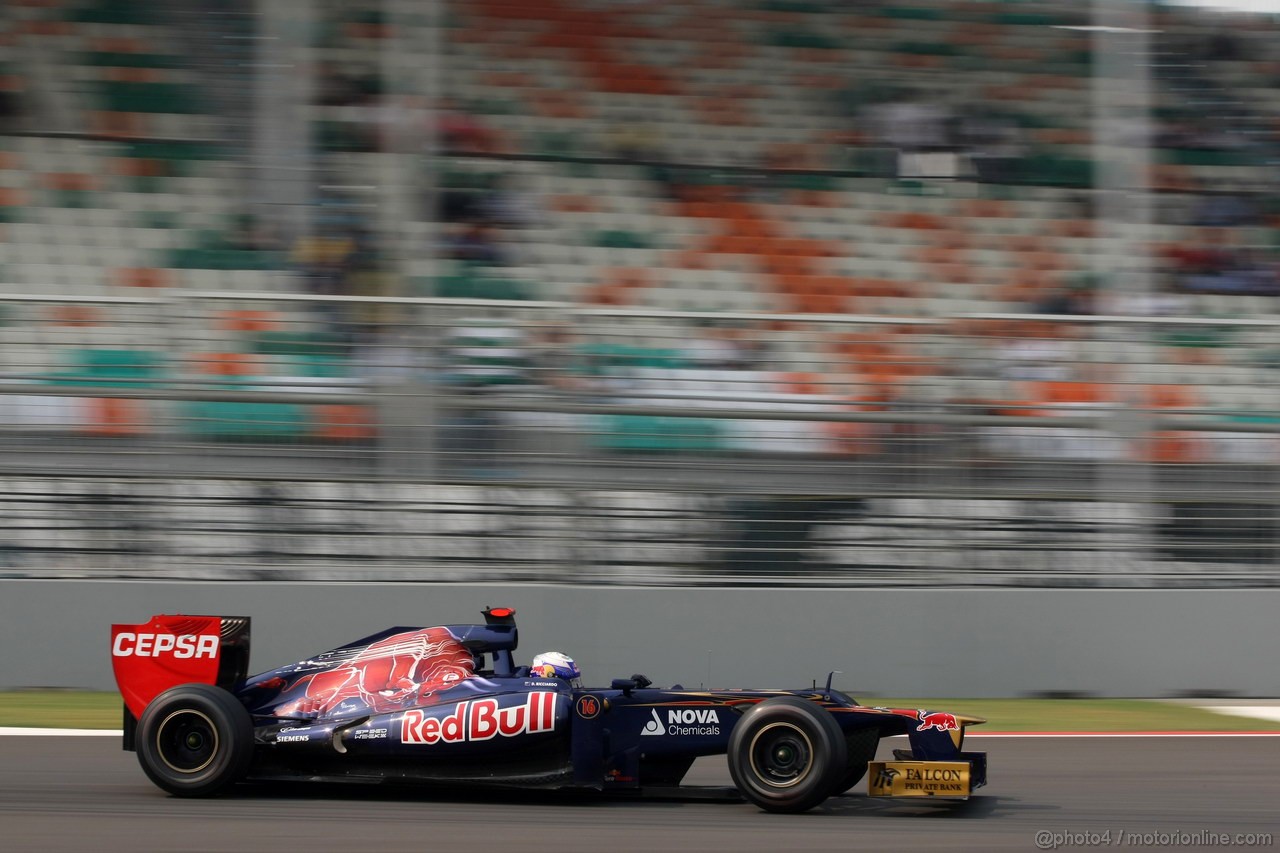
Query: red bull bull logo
937, 720
395, 672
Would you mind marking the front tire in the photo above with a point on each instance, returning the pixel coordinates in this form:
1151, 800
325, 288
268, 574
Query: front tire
195, 740
786, 754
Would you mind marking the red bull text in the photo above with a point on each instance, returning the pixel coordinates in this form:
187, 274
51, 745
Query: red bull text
480, 719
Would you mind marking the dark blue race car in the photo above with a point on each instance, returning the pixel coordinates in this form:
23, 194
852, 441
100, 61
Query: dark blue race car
449, 705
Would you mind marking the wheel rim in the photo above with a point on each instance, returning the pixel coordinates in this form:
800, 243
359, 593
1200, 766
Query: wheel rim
187, 741
781, 755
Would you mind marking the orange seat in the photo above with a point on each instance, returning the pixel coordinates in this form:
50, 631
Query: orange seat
225, 363
74, 315
142, 277
345, 423
114, 416
248, 321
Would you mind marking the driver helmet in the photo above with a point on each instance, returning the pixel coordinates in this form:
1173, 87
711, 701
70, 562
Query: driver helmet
555, 665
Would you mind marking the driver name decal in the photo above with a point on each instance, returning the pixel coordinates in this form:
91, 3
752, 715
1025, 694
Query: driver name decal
480, 719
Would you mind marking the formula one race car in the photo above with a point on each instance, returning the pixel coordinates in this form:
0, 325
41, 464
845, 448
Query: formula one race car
449, 705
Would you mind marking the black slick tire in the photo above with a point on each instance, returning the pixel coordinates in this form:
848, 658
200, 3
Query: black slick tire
786, 754
195, 740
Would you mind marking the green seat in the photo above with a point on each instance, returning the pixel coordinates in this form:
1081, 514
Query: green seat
808, 39
132, 97
1204, 157
115, 12
649, 433
604, 358
802, 7
1251, 417
178, 156
111, 368
912, 13
220, 421
1053, 170
73, 198
555, 144
468, 282
1201, 337
212, 252
619, 238
1027, 19
491, 107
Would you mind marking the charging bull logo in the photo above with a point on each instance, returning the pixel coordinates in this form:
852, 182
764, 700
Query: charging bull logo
480, 719
385, 676
937, 720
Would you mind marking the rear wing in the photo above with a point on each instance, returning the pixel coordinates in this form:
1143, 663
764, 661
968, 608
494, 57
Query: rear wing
170, 650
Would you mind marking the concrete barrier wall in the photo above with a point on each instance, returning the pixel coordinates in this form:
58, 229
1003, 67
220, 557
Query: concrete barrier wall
931, 642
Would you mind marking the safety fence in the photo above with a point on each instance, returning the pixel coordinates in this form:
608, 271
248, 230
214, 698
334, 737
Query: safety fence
225, 434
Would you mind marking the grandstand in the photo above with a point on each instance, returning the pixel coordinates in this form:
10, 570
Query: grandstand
852, 250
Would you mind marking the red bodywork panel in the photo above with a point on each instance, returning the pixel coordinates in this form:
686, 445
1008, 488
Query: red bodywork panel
165, 652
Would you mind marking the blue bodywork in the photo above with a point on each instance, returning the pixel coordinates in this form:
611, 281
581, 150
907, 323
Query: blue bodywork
352, 714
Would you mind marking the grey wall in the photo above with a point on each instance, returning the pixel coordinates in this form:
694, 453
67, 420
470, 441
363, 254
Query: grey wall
930, 642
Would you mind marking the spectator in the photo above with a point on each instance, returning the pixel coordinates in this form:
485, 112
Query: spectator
473, 242
324, 260
718, 347
336, 88
1224, 210
10, 109
633, 139
915, 124
994, 142
1074, 298
505, 206
463, 132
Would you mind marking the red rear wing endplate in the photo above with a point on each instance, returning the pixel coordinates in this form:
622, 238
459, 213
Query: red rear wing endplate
171, 650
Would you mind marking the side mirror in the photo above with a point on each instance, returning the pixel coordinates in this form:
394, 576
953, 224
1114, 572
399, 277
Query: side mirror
626, 685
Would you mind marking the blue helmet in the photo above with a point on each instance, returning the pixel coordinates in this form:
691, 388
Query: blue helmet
555, 665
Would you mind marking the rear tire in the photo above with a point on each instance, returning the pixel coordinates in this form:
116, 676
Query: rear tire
195, 740
860, 747
786, 754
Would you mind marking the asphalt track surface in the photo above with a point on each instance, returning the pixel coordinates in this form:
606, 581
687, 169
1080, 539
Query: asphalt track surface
85, 794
